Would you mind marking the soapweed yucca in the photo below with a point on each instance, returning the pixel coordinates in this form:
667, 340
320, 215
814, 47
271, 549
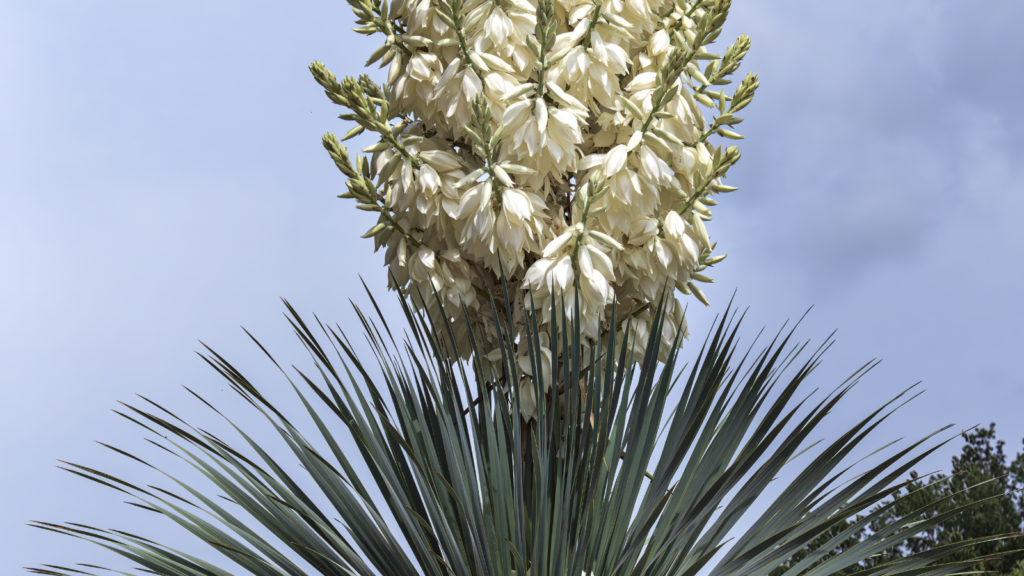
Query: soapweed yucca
611, 478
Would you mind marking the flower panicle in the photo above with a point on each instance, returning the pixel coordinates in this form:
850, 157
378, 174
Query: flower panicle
556, 147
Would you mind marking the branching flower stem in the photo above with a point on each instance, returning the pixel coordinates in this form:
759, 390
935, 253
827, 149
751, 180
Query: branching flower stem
451, 14
545, 32
386, 212
677, 62
387, 28
593, 22
394, 143
465, 52
723, 161
361, 187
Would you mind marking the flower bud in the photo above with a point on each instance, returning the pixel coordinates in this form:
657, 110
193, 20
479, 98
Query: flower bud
503, 177
374, 230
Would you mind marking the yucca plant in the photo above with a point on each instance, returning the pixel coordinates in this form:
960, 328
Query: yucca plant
611, 478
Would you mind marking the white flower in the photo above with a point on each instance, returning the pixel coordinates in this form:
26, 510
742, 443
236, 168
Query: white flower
544, 360
550, 274
528, 398
428, 189
674, 326
558, 243
453, 280
516, 205
615, 160
653, 169
659, 43
475, 207
421, 265
517, 226
453, 96
543, 137
593, 74
594, 281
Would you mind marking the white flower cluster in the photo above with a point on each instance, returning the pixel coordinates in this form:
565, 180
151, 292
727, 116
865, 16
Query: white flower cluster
565, 146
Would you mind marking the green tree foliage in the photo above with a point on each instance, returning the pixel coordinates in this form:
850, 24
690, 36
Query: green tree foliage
982, 477
1018, 569
822, 542
980, 474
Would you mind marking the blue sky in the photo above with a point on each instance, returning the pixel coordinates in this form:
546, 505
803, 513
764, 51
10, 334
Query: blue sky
163, 181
